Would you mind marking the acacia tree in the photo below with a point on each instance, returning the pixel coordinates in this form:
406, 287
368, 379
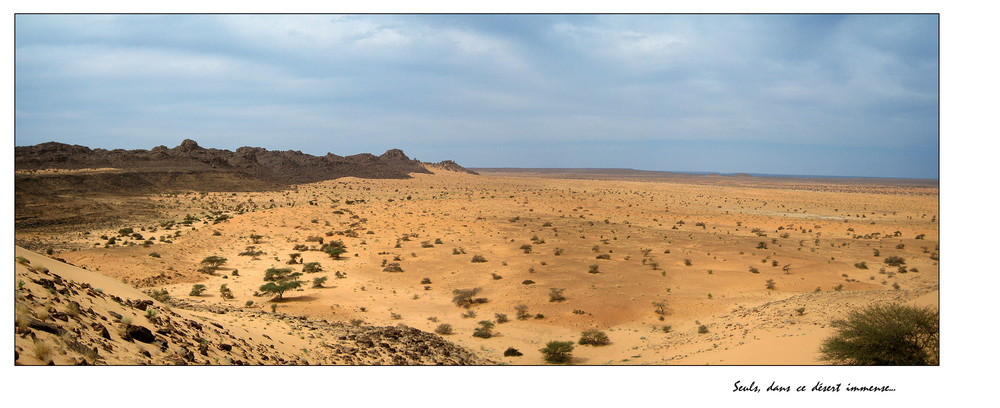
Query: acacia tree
558, 352
335, 249
885, 335
211, 263
280, 280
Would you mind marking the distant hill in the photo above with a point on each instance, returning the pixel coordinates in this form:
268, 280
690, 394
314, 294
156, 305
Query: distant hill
190, 166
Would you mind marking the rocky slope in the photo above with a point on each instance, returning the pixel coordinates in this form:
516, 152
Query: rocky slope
69, 316
283, 167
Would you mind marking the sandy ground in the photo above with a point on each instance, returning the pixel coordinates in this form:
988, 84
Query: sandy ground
692, 247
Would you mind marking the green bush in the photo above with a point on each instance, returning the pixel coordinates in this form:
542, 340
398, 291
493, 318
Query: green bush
885, 335
197, 290
485, 329
443, 329
894, 261
280, 280
594, 337
557, 352
512, 352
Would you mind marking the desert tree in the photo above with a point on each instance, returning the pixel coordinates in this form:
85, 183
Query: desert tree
280, 280
485, 329
466, 297
556, 295
593, 337
557, 352
885, 335
197, 290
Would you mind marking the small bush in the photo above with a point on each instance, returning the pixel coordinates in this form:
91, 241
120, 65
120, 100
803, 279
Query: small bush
556, 295
443, 329
464, 297
485, 329
512, 352
894, 261
594, 337
478, 259
702, 329
557, 352
197, 290
318, 282
225, 292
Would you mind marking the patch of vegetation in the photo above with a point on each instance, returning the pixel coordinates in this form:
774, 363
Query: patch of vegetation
593, 337
885, 335
197, 290
557, 352
280, 281
556, 295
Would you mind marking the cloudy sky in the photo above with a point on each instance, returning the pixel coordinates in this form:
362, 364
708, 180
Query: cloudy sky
851, 95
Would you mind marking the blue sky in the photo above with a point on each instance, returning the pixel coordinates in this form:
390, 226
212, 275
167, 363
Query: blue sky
852, 95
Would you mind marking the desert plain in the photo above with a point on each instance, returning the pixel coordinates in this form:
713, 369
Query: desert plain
676, 269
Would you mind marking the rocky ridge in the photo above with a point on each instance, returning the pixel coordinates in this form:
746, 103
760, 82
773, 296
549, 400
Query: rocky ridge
59, 321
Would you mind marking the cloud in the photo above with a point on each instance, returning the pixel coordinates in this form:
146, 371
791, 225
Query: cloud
373, 82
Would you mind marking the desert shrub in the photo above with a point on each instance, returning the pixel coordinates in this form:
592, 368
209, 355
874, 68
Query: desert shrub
443, 329
557, 352
877, 252
839, 287
512, 352
884, 335
526, 248
527, 282
894, 261
702, 329
280, 280
770, 284
666, 328
501, 317
197, 290
660, 308
861, 265
464, 297
800, 311
249, 303
485, 329
154, 254
392, 267
318, 282
213, 262
604, 256
687, 262
557, 251
160, 295
468, 314
762, 245
593, 337
335, 249
556, 295
593, 269
754, 270
312, 267
495, 276
900, 246
225, 292
522, 312
478, 259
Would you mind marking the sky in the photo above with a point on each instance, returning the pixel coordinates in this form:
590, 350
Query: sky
835, 95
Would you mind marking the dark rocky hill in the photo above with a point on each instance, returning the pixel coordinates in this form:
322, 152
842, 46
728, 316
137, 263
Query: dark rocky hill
280, 167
